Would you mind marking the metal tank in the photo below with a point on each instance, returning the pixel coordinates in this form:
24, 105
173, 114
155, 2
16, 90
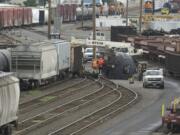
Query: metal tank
173, 63
5, 57
119, 66
9, 102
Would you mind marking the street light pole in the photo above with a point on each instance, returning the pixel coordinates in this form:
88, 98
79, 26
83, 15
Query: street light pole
94, 27
49, 19
127, 13
140, 18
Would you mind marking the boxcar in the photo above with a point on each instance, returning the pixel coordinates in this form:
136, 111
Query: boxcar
9, 101
76, 60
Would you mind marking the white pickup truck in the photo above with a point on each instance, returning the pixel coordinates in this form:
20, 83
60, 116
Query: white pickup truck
153, 77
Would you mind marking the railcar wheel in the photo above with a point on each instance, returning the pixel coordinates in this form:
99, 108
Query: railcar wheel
8, 130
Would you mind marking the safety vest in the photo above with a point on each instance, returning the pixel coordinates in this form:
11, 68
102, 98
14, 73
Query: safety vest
101, 62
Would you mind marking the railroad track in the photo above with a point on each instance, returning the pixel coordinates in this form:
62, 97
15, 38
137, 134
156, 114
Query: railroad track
36, 31
54, 96
108, 94
52, 87
52, 114
89, 121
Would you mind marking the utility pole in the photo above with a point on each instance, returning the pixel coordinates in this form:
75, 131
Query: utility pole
82, 17
127, 13
94, 27
153, 2
49, 19
140, 18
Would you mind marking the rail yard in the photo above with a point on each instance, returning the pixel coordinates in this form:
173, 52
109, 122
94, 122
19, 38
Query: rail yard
63, 72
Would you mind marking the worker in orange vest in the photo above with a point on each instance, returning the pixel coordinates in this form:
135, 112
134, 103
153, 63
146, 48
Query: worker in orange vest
100, 64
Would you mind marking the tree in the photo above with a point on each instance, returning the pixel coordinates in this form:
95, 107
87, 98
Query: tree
30, 3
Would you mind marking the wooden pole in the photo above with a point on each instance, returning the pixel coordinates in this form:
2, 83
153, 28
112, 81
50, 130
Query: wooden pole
140, 18
94, 27
49, 19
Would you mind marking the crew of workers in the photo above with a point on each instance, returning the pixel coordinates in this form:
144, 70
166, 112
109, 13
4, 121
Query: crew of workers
98, 64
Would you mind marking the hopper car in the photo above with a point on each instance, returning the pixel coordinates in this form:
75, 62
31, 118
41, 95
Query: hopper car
44, 62
9, 100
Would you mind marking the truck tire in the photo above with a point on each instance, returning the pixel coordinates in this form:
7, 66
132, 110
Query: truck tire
144, 86
8, 130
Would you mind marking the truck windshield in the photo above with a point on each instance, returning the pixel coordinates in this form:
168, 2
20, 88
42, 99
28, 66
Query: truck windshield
153, 73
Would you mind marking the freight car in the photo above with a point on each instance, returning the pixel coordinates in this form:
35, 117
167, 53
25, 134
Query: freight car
44, 62
173, 63
41, 62
9, 101
118, 66
15, 16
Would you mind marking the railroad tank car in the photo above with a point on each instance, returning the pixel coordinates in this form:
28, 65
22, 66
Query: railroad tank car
119, 66
87, 14
9, 101
5, 58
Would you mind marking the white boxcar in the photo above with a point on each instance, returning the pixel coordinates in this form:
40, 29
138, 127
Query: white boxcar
63, 54
9, 101
34, 62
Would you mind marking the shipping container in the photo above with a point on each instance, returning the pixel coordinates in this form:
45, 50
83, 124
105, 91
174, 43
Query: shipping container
9, 101
34, 62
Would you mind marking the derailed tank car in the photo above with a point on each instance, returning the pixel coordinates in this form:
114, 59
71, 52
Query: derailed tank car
9, 101
173, 63
119, 66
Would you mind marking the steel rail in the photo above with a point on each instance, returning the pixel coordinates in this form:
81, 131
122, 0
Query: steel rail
61, 106
88, 117
52, 85
28, 106
107, 92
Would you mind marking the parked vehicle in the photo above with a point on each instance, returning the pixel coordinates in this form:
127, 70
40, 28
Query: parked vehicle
170, 119
153, 77
170, 7
88, 54
9, 97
